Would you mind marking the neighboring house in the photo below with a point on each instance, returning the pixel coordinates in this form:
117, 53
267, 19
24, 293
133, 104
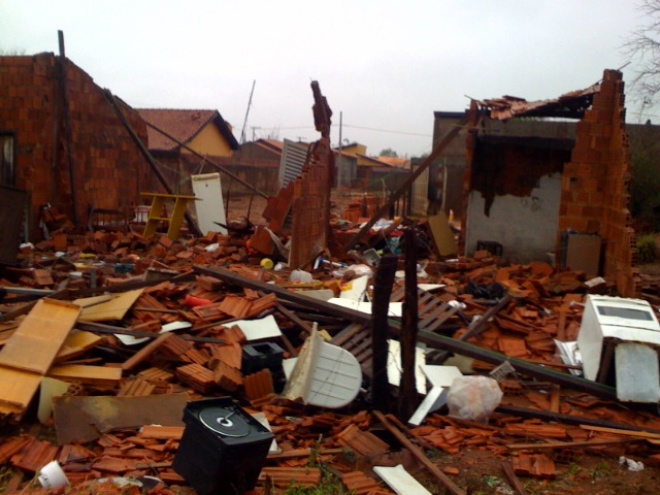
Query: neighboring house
258, 163
204, 131
87, 160
381, 173
540, 175
445, 184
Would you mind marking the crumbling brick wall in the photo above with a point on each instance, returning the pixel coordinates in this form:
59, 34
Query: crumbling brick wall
595, 182
109, 172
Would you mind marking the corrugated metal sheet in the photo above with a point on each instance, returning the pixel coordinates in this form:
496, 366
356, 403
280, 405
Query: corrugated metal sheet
293, 159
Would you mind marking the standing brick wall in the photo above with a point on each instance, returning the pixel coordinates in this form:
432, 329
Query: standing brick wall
27, 108
109, 171
595, 183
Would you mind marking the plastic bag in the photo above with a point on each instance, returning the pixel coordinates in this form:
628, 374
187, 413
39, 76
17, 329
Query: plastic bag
474, 398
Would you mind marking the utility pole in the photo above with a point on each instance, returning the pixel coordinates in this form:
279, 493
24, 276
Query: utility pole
246, 114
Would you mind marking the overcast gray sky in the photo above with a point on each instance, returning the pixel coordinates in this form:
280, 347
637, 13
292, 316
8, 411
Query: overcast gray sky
387, 65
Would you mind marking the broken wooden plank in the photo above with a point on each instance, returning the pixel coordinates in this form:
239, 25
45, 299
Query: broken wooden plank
76, 344
103, 376
17, 388
36, 342
110, 310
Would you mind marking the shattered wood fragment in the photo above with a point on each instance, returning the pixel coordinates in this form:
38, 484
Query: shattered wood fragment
96, 376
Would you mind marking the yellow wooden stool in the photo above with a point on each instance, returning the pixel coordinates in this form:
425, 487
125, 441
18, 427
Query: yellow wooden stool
156, 213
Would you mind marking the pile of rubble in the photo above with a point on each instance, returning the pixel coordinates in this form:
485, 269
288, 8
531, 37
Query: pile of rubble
109, 338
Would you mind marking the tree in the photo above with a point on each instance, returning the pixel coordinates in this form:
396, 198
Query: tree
645, 183
643, 47
389, 152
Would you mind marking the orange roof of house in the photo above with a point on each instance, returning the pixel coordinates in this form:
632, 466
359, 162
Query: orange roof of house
395, 161
183, 125
271, 143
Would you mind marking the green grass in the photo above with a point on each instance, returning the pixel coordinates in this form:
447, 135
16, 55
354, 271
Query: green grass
647, 250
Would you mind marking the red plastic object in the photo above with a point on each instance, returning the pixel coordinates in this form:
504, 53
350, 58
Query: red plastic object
195, 301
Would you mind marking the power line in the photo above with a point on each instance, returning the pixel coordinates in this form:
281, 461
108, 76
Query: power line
387, 130
349, 126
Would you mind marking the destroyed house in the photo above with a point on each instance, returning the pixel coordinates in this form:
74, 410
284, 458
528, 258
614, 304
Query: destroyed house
546, 180
177, 138
63, 143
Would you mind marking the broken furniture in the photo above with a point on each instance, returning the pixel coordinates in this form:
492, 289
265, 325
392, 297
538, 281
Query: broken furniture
157, 213
619, 341
211, 211
222, 449
324, 375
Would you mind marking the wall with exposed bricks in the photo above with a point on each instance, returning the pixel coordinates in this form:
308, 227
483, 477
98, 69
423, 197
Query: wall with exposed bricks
595, 183
109, 171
